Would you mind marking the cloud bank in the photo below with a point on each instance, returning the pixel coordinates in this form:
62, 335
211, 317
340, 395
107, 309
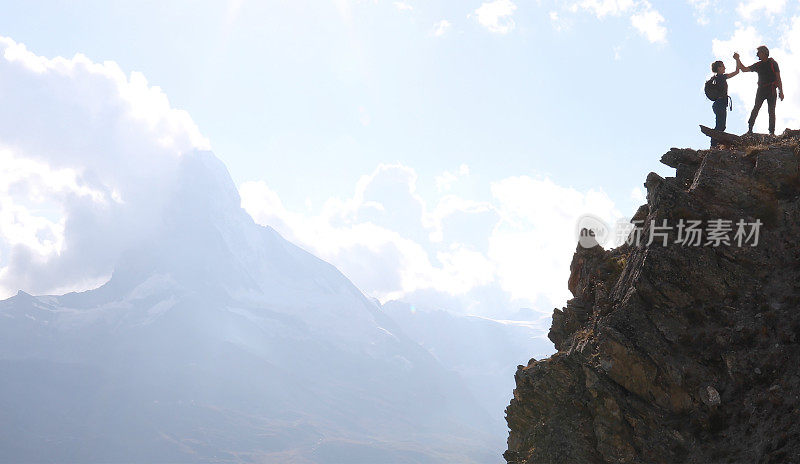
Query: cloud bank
482, 257
88, 154
88, 165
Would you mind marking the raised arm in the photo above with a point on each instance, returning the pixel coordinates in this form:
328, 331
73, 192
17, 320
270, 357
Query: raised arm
739, 65
731, 74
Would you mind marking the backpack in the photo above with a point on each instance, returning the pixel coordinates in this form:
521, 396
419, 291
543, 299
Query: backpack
772, 67
713, 89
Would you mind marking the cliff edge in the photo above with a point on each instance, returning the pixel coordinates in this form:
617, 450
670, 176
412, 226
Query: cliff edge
677, 348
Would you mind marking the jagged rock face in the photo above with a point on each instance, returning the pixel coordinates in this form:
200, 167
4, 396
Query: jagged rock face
679, 353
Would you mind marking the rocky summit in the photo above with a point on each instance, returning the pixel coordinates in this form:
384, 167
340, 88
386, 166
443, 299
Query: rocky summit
681, 345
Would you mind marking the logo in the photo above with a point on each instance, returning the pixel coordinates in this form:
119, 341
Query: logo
591, 231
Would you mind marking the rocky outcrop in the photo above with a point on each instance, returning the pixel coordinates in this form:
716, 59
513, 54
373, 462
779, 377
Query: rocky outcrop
676, 352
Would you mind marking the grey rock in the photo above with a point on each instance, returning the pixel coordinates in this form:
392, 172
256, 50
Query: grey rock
710, 396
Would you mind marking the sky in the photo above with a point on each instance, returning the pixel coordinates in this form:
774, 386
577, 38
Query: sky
437, 152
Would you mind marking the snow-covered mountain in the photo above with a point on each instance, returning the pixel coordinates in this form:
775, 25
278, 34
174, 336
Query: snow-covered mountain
216, 340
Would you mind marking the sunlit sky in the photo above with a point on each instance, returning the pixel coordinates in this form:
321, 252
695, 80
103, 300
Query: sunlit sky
434, 151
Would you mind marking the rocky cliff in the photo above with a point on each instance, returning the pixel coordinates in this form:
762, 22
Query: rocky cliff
673, 350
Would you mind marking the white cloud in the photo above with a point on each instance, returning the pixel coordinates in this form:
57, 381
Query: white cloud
744, 40
29, 215
701, 8
643, 17
534, 241
650, 24
751, 8
602, 8
638, 195
403, 6
496, 16
441, 28
377, 237
72, 200
445, 181
557, 21
487, 257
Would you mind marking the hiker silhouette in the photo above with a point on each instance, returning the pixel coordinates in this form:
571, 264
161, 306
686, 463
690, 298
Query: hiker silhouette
769, 80
716, 89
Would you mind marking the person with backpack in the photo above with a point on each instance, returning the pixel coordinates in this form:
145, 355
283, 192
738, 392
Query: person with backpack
769, 79
716, 90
